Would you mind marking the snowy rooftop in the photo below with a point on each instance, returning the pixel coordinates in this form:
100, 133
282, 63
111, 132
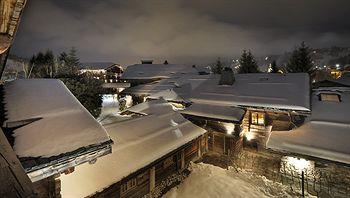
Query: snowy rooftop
139, 143
155, 107
96, 65
168, 95
289, 91
181, 86
325, 134
214, 111
54, 120
344, 79
153, 71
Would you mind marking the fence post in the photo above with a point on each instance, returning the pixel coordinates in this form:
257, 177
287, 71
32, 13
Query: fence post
302, 183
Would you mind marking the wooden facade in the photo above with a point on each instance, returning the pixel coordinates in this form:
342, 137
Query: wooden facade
159, 176
252, 131
257, 124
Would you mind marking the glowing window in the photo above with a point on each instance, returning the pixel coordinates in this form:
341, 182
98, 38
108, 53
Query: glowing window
329, 97
258, 118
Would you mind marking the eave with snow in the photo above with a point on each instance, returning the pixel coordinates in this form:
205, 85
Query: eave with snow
49, 129
145, 73
325, 134
141, 143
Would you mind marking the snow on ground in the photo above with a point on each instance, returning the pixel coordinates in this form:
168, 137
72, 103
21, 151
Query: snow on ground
211, 181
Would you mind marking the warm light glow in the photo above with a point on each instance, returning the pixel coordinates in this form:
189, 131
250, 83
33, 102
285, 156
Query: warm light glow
229, 128
177, 106
249, 135
297, 164
258, 118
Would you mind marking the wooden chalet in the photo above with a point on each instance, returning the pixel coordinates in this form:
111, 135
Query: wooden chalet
150, 156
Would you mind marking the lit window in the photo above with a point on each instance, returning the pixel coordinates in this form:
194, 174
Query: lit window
329, 97
258, 118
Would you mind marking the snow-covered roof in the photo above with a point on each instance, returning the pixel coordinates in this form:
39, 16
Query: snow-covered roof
344, 80
324, 135
168, 94
289, 91
281, 91
96, 65
233, 114
154, 71
62, 124
139, 143
182, 86
155, 107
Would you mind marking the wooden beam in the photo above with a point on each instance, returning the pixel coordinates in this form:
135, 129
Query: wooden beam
14, 181
152, 179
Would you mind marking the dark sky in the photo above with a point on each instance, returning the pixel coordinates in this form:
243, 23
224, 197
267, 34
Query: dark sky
181, 31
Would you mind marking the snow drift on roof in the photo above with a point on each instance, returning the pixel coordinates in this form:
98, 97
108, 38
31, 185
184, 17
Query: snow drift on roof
65, 125
155, 107
289, 91
96, 65
168, 94
139, 144
325, 135
153, 71
214, 111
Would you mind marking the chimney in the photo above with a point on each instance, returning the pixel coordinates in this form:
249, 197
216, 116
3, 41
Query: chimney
146, 61
227, 77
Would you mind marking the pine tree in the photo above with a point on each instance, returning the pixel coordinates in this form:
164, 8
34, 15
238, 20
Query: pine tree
42, 65
274, 68
247, 63
218, 67
68, 64
301, 60
73, 61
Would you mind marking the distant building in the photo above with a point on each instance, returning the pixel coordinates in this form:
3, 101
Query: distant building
147, 72
107, 71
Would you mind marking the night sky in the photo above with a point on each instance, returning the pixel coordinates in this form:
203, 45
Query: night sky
180, 31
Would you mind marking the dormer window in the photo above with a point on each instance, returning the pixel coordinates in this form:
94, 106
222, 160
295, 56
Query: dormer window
258, 118
329, 97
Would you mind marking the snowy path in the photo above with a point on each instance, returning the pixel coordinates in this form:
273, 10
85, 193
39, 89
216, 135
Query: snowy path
208, 181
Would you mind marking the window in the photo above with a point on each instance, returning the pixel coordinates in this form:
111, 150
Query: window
329, 97
168, 162
128, 185
258, 118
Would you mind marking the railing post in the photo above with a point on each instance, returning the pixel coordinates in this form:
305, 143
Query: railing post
302, 183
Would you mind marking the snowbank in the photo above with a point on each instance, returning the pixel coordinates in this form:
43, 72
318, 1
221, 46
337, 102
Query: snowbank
208, 181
